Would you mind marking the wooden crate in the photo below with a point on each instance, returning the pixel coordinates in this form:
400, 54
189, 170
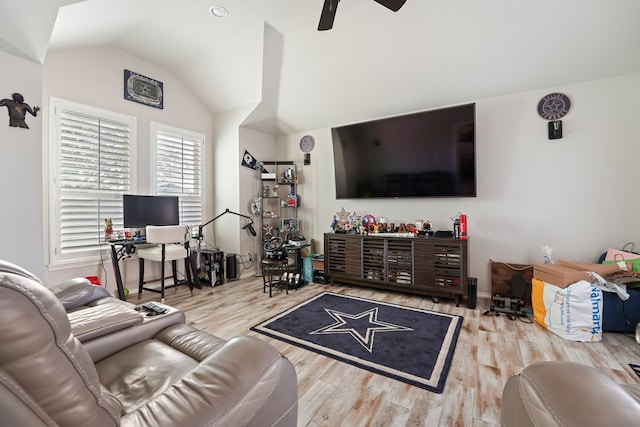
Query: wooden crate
501, 273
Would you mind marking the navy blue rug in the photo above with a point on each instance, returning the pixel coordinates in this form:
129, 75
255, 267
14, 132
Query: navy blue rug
635, 368
409, 344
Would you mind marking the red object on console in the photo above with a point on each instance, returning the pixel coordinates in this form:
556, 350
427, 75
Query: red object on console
463, 227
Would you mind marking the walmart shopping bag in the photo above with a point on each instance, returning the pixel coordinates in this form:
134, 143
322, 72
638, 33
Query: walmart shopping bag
574, 312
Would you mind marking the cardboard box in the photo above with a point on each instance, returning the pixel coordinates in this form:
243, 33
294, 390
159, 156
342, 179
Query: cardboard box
318, 264
559, 275
601, 269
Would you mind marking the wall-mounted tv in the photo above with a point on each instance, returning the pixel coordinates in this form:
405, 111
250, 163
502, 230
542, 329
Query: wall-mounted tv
140, 211
425, 154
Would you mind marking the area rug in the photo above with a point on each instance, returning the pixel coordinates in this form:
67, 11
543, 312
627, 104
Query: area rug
409, 344
635, 368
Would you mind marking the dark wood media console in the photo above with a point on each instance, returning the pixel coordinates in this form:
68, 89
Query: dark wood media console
431, 266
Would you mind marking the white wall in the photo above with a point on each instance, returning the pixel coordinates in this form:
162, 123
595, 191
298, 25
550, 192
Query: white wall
577, 194
21, 213
95, 77
225, 233
263, 148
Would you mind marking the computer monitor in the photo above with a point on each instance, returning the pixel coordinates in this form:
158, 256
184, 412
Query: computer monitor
140, 211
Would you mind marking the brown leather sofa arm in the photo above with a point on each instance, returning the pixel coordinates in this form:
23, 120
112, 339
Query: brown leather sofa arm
134, 327
567, 394
77, 292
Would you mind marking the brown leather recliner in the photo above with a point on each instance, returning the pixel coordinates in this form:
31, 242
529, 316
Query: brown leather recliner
568, 394
180, 377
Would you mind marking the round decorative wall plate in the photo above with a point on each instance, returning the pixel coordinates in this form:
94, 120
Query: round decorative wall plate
307, 143
554, 106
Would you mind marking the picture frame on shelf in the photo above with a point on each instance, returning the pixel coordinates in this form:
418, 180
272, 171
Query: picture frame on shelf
289, 225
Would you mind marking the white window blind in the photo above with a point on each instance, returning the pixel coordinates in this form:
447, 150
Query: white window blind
92, 168
178, 169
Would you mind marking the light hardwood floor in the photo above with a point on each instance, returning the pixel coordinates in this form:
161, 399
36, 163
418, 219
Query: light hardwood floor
489, 350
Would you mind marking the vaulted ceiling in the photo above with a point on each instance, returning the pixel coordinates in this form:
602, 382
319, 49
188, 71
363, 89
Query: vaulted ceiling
373, 62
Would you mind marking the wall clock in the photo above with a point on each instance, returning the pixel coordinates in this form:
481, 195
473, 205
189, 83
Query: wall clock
307, 143
255, 207
554, 106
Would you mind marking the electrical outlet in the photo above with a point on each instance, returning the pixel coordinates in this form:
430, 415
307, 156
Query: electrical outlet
249, 257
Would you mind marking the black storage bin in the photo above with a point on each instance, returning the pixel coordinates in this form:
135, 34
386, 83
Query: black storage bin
618, 315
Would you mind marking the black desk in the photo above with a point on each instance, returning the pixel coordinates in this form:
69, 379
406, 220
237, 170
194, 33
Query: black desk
121, 249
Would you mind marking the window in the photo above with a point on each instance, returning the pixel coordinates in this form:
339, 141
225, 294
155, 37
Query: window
92, 154
177, 169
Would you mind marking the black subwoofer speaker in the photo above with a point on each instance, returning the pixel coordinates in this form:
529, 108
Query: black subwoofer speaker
231, 267
472, 292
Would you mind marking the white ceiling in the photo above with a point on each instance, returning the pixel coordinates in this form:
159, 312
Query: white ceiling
372, 63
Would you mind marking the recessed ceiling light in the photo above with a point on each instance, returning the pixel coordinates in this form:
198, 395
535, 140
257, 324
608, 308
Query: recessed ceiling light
218, 11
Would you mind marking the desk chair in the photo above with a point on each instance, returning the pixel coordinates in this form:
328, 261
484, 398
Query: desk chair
170, 244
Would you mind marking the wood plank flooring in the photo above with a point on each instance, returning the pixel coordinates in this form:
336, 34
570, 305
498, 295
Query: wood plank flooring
490, 349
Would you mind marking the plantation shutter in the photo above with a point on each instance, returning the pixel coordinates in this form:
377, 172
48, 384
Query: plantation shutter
94, 170
178, 169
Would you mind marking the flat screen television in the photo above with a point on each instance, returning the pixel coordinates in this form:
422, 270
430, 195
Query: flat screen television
424, 154
140, 211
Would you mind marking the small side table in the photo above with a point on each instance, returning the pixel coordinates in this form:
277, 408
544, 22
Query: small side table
272, 269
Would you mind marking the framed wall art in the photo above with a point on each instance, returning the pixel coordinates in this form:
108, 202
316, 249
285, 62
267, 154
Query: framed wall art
143, 89
289, 225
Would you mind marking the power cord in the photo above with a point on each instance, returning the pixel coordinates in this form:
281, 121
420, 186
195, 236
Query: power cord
510, 315
104, 269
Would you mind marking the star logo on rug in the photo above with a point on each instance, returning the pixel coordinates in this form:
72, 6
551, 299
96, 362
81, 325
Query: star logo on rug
362, 326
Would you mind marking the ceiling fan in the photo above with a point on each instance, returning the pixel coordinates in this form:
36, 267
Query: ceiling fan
330, 6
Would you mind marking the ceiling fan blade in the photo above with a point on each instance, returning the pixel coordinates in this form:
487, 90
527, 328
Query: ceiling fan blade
394, 5
328, 14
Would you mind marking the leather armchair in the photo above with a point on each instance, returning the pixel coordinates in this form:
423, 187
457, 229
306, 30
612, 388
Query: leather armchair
178, 377
568, 394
